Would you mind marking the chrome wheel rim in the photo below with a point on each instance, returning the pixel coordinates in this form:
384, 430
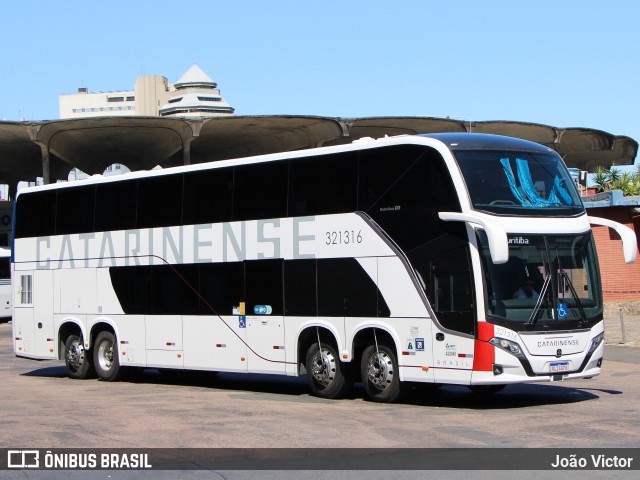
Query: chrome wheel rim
75, 355
380, 370
105, 355
323, 367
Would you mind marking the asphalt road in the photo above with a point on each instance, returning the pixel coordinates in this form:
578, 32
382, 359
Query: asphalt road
42, 408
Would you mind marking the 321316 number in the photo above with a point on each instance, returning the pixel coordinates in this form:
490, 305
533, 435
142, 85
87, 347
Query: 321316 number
343, 237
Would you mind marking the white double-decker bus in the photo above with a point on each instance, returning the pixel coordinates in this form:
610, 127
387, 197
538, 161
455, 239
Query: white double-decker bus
448, 259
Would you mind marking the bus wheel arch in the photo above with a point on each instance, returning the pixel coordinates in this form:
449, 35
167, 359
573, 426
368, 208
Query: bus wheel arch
319, 358
106, 360
377, 352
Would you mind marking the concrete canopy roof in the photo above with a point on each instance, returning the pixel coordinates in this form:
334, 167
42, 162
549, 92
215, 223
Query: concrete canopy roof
92, 144
242, 136
51, 149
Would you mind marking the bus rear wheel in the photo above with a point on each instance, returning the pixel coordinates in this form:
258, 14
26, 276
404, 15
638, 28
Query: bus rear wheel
380, 374
77, 359
105, 357
326, 375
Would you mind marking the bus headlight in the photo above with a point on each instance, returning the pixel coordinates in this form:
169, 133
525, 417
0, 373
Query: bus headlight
595, 343
508, 346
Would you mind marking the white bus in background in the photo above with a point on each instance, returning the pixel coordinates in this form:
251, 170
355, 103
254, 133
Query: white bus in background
5, 283
448, 259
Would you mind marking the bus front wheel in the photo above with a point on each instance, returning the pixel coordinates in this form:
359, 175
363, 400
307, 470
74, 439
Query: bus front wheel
77, 359
105, 357
380, 374
326, 375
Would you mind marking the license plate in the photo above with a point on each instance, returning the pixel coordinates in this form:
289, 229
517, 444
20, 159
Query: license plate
559, 367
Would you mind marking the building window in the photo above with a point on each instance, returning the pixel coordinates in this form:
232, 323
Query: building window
115, 99
130, 99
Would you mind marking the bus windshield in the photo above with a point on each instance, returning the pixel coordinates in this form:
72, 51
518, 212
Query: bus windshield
549, 283
521, 183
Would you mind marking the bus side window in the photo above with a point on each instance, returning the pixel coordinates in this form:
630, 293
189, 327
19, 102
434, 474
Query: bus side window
300, 289
260, 191
75, 210
159, 201
221, 287
345, 290
383, 178
133, 288
450, 292
323, 185
173, 290
116, 206
207, 196
403, 190
263, 286
37, 214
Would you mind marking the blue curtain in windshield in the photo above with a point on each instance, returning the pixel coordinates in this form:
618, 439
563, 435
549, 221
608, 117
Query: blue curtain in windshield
512, 183
560, 189
526, 193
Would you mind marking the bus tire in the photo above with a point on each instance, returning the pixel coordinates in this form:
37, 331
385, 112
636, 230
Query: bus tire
105, 357
77, 360
326, 375
380, 374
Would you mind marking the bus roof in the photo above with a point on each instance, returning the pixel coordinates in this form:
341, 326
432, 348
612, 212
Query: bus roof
484, 141
452, 141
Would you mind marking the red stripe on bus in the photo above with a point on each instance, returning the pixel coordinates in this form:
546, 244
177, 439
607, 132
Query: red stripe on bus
485, 354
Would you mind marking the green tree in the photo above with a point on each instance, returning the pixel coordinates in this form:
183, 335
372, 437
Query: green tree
616, 179
601, 179
615, 174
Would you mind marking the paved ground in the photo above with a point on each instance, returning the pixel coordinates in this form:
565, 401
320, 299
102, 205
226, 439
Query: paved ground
613, 326
42, 408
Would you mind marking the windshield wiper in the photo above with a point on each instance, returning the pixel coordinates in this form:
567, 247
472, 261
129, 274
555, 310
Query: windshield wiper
537, 309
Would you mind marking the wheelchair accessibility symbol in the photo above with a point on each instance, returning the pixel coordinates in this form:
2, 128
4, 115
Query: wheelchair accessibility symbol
562, 310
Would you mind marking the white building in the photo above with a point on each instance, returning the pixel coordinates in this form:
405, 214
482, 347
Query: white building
194, 95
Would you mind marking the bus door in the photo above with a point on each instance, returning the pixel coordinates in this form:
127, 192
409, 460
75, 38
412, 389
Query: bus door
264, 316
451, 295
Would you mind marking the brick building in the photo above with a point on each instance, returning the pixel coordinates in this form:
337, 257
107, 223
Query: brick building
620, 282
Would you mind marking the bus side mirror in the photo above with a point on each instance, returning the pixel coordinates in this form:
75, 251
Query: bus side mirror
496, 235
626, 234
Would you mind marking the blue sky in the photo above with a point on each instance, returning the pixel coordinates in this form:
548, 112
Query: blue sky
563, 63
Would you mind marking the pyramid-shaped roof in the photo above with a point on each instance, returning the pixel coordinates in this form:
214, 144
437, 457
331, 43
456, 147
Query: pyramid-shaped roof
195, 75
